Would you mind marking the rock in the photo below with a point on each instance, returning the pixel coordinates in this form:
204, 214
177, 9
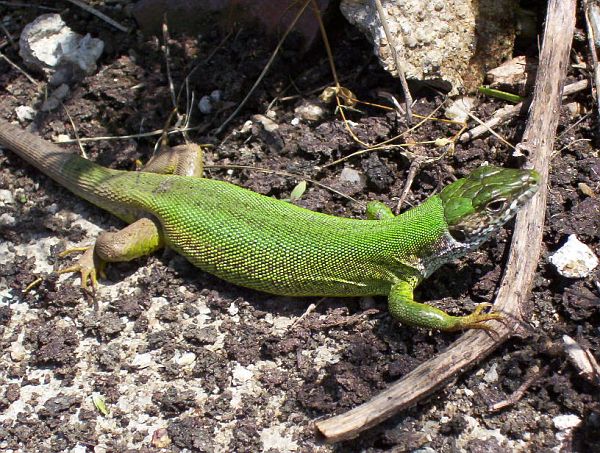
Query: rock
459, 109
310, 111
566, 422
451, 42
204, 105
515, 75
352, 176
48, 45
55, 98
25, 113
6, 220
379, 176
267, 123
196, 16
574, 259
6, 197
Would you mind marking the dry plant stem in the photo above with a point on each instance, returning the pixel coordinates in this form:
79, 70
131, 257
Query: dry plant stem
317, 12
18, 68
415, 165
100, 15
516, 396
167, 53
399, 66
592, 46
290, 175
510, 111
522, 261
265, 69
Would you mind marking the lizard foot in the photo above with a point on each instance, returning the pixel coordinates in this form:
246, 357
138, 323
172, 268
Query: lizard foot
477, 319
88, 265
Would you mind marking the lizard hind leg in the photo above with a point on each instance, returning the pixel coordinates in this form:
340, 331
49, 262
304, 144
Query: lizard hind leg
182, 160
142, 237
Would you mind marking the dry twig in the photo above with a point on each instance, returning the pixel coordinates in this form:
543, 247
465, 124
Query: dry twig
510, 111
99, 15
265, 69
592, 45
522, 261
516, 396
397, 62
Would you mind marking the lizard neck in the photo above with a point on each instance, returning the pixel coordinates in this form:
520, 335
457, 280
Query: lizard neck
424, 238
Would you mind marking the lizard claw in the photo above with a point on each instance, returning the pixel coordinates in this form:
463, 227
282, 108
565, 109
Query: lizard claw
477, 319
88, 265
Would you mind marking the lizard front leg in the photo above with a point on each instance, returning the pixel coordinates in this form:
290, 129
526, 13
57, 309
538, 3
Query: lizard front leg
403, 307
376, 210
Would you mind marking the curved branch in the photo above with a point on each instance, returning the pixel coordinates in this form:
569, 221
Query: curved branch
524, 254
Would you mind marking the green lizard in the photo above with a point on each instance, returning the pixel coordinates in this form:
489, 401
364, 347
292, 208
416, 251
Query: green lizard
274, 246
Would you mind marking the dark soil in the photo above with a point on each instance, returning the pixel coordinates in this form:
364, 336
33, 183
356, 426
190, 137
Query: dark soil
180, 355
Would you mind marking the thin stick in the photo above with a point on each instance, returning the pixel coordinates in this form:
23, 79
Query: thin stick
399, 66
289, 175
265, 69
510, 111
99, 15
592, 46
325, 42
516, 396
523, 257
22, 71
167, 53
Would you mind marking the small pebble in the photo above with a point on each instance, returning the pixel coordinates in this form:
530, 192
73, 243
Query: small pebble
574, 259
25, 113
352, 176
205, 105
6, 197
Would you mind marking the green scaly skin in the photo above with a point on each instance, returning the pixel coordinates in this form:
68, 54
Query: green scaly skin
277, 247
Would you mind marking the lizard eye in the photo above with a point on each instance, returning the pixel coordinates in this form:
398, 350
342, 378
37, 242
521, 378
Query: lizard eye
496, 205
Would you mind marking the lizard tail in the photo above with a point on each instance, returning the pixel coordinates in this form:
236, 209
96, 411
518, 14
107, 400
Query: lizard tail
70, 170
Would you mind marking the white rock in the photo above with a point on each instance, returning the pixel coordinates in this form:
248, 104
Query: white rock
205, 105
295, 121
17, 351
141, 361
309, 111
7, 220
247, 127
352, 176
241, 375
48, 44
459, 109
25, 113
216, 95
438, 42
274, 439
492, 375
564, 422
574, 259
6, 197
233, 309
267, 123
186, 359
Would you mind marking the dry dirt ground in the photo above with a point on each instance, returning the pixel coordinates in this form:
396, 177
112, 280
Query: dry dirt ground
182, 357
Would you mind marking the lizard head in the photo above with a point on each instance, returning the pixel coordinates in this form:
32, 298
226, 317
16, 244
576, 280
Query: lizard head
478, 205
